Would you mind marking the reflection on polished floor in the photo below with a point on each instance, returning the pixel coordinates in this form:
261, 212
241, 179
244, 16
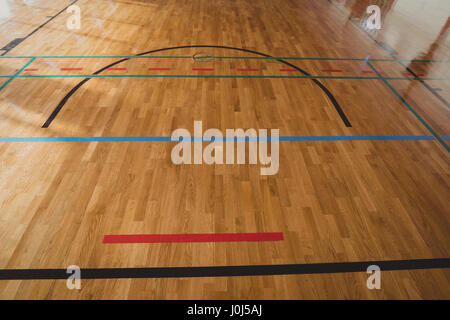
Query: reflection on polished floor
87, 177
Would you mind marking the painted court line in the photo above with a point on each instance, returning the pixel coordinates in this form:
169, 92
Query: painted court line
212, 69
393, 55
16, 74
117, 69
28, 69
165, 138
223, 57
39, 27
372, 72
226, 271
205, 237
410, 74
425, 124
88, 76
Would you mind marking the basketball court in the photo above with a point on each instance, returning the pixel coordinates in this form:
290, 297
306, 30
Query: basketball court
86, 175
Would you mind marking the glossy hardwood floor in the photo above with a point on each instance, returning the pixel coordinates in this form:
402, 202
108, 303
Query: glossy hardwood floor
334, 201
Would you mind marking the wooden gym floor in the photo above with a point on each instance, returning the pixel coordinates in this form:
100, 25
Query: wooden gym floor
81, 159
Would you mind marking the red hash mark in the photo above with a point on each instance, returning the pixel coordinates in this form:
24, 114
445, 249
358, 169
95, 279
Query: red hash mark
410, 74
117, 69
372, 72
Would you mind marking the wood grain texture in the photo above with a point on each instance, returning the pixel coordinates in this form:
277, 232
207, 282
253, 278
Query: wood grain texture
333, 201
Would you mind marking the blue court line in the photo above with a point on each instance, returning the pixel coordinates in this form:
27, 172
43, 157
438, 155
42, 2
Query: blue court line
161, 138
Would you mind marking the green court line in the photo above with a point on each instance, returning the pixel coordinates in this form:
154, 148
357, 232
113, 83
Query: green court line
442, 142
86, 57
215, 76
16, 74
217, 57
205, 57
333, 59
393, 55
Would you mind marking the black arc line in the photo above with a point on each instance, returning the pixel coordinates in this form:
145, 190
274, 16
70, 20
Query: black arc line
317, 82
225, 271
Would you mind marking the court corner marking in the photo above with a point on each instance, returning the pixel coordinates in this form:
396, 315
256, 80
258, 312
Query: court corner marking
441, 141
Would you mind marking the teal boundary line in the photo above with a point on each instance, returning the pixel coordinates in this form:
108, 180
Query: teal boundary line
335, 59
442, 142
393, 55
247, 138
16, 74
213, 76
219, 57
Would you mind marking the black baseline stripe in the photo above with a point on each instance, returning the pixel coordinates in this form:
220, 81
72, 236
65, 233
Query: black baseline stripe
317, 82
38, 28
225, 271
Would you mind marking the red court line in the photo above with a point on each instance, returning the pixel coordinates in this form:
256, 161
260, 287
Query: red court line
288, 69
29, 69
410, 74
203, 69
158, 69
239, 69
370, 71
117, 69
71, 69
331, 70
202, 237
